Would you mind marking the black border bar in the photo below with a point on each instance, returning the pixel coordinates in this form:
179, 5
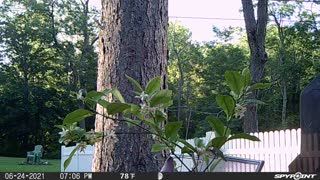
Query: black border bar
148, 176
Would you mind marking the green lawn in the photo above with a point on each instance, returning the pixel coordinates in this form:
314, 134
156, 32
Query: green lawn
11, 164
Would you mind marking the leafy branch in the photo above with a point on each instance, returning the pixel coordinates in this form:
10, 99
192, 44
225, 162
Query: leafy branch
150, 117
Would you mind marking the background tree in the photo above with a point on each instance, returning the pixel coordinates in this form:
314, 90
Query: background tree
36, 91
256, 32
278, 14
80, 34
134, 44
203, 66
300, 53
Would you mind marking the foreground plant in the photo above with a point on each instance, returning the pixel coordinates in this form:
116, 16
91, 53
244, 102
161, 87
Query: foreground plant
150, 116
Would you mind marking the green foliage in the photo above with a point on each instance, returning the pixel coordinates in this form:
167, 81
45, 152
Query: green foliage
227, 104
158, 147
118, 95
135, 84
216, 125
171, 129
77, 116
217, 142
234, 81
259, 86
243, 136
151, 113
153, 85
246, 77
114, 108
68, 160
294, 65
40, 73
162, 97
203, 67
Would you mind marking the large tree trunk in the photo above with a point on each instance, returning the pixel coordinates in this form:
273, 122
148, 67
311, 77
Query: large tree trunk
256, 32
133, 42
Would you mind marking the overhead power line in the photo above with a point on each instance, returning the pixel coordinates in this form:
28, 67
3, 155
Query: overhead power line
178, 17
227, 19
306, 1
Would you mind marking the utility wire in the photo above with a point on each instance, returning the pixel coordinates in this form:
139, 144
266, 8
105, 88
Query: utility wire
306, 1
195, 111
228, 19
175, 17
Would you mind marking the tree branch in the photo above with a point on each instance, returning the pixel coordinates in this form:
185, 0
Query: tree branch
94, 40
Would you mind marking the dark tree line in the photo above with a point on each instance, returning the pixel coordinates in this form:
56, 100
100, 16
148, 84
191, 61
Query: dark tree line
48, 55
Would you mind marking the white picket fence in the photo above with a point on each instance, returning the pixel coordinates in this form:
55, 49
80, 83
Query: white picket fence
277, 148
81, 161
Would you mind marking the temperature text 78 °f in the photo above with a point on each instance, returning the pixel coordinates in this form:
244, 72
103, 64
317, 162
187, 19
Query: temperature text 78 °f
127, 175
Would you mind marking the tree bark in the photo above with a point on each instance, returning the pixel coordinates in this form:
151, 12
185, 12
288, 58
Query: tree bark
134, 43
256, 33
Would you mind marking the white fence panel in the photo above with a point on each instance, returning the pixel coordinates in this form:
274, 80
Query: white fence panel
277, 148
81, 161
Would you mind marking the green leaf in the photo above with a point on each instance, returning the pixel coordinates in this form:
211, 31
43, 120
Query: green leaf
227, 104
135, 84
59, 126
132, 122
244, 136
215, 164
259, 86
186, 150
218, 142
198, 142
169, 103
107, 91
160, 116
171, 129
206, 159
158, 147
216, 124
68, 160
161, 97
77, 116
188, 145
152, 124
153, 85
255, 101
246, 77
228, 131
220, 154
233, 80
94, 96
135, 110
118, 95
114, 108
103, 103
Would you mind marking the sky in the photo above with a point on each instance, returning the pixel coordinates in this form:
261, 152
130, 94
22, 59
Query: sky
194, 9
218, 10
202, 28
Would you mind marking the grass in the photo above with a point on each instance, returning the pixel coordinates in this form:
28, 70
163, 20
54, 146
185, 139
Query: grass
11, 164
